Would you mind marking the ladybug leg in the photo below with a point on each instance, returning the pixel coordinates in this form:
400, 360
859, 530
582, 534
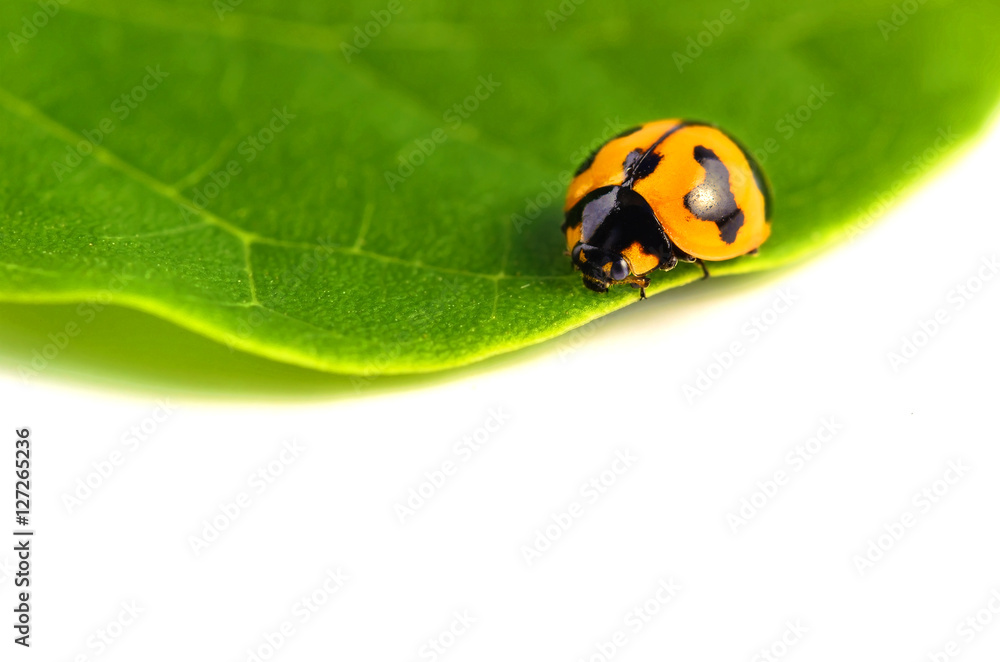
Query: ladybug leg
638, 282
667, 263
684, 257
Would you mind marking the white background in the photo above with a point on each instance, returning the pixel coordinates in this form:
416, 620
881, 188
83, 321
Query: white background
616, 386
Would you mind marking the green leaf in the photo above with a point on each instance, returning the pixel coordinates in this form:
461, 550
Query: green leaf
265, 175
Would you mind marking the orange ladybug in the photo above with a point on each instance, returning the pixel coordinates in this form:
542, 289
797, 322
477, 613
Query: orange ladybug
666, 191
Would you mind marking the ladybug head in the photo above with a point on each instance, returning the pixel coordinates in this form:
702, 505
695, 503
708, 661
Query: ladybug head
600, 268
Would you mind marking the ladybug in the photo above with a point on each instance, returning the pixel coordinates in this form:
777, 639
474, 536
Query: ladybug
661, 193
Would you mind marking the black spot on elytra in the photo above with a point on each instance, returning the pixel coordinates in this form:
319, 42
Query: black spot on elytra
639, 168
758, 176
589, 161
713, 200
631, 158
639, 165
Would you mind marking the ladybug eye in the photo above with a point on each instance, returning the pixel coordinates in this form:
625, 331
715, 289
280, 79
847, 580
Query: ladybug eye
619, 269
